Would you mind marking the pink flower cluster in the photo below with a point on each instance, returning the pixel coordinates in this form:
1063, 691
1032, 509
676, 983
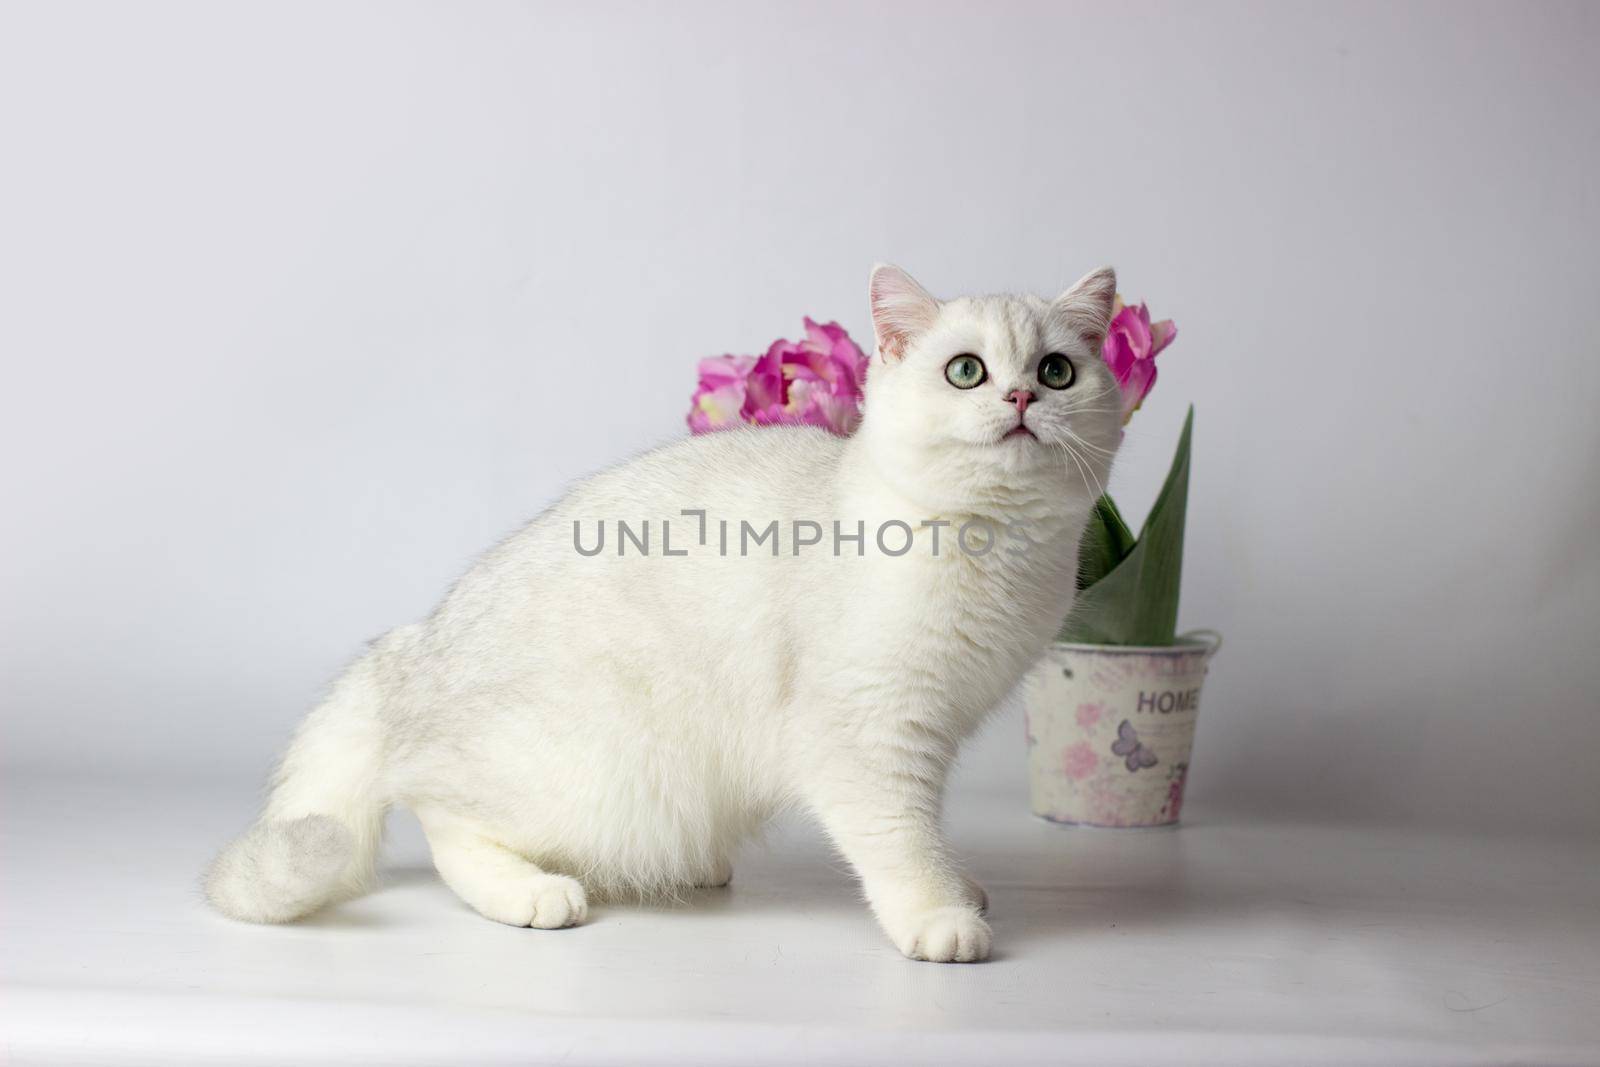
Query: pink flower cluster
1131, 346
814, 382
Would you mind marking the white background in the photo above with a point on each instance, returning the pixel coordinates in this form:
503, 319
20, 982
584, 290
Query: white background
304, 305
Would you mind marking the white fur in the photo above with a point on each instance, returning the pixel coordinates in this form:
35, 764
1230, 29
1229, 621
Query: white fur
566, 724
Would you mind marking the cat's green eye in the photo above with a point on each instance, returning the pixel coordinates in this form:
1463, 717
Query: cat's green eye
965, 372
1055, 371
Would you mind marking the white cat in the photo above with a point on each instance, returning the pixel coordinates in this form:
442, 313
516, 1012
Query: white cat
567, 723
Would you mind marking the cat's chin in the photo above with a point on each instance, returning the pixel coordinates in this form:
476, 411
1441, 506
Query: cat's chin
1023, 458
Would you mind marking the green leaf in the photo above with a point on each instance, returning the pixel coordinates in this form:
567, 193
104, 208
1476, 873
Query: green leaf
1136, 601
1106, 542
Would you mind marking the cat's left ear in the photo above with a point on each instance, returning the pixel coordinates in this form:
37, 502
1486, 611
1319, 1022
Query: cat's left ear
1086, 307
901, 309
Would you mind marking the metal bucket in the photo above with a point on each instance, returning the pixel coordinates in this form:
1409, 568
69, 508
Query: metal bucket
1110, 728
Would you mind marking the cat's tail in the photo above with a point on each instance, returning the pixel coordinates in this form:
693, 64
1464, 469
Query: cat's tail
317, 838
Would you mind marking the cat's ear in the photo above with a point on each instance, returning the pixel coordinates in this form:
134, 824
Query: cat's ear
901, 309
1086, 307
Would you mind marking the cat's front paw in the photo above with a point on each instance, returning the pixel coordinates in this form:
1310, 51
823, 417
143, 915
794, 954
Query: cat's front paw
952, 934
544, 902
975, 896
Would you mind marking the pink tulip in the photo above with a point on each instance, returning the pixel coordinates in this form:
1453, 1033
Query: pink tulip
1131, 346
814, 382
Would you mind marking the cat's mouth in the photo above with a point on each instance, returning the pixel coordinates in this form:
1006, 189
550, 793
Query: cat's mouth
1020, 430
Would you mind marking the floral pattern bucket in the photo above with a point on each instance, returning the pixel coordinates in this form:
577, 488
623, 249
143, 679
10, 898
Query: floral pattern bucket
1110, 728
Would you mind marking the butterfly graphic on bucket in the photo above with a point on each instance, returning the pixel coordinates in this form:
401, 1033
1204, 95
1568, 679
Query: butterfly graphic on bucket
1127, 744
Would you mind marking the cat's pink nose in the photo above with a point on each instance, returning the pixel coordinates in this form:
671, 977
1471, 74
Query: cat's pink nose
1020, 397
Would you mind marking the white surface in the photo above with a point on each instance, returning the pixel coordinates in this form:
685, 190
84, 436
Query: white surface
1224, 942
307, 304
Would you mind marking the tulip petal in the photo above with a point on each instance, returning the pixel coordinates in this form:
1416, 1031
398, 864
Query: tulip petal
716, 409
1162, 334
1140, 381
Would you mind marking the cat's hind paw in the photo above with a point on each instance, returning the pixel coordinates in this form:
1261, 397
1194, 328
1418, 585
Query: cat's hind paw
717, 877
955, 934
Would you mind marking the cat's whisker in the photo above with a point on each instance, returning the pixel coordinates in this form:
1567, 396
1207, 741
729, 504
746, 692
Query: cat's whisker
1098, 488
1105, 390
1107, 452
1083, 471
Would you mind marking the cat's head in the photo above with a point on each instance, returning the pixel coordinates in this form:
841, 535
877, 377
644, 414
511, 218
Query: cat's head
982, 401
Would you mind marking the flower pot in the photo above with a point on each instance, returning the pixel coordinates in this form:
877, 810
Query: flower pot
1110, 728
